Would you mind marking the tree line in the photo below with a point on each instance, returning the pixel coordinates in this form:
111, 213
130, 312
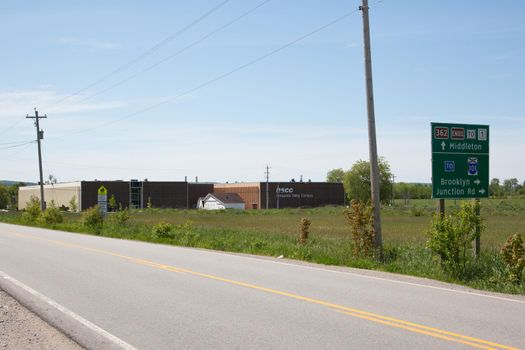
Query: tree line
9, 196
356, 182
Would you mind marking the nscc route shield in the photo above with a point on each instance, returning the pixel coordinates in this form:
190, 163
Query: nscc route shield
460, 160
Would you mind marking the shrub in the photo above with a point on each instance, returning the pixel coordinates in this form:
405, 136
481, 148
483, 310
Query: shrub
304, 230
121, 217
162, 230
513, 254
112, 203
51, 215
73, 204
32, 211
93, 220
360, 217
451, 237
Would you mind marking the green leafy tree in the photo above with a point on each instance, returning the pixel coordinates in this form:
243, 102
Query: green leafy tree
4, 197
93, 219
513, 254
112, 203
73, 204
510, 186
451, 237
357, 181
495, 188
335, 175
51, 216
32, 211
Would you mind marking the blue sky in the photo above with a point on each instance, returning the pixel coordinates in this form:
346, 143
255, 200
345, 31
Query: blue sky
301, 110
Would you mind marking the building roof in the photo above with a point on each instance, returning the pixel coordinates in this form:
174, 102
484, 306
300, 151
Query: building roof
227, 197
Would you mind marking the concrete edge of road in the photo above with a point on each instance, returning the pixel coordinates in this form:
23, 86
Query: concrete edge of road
76, 328
386, 276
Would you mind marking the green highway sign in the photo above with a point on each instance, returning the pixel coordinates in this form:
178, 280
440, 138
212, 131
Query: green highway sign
460, 160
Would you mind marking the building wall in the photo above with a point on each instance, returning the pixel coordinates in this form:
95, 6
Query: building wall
120, 189
302, 194
291, 194
165, 194
249, 192
61, 194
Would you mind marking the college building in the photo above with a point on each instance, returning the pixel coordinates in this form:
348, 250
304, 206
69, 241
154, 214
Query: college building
130, 194
172, 194
259, 195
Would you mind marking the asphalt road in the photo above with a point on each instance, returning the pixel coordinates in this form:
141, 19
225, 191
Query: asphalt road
108, 293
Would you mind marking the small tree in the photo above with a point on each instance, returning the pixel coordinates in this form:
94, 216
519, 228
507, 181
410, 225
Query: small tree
335, 175
73, 204
360, 217
112, 203
93, 219
162, 230
451, 237
357, 180
32, 211
51, 215
513, 254
304, 230
121, 217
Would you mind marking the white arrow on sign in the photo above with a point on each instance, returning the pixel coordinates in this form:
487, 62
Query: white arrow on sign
443, 144
477, 182
482, 191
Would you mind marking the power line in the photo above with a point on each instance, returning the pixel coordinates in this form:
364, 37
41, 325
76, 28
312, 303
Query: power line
18, 145
148, 52
11, 126
184, 49
219, 77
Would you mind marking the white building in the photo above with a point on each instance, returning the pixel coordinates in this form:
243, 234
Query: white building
61, 194
218, 201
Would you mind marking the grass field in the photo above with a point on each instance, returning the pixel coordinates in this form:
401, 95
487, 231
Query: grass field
274, 233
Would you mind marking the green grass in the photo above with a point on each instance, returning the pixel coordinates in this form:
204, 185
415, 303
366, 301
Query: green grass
274, 233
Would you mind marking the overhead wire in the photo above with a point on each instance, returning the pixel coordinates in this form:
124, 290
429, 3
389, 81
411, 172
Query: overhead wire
184, 49
219, 77
143, 55
18, 145
11, 126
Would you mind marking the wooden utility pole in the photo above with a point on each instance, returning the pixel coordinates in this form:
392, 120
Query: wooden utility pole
267, 174
39, 136
372, 143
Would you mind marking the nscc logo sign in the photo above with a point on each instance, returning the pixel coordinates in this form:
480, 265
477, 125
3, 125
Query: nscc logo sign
284, 190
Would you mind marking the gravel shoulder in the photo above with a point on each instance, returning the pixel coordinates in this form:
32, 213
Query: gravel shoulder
21, 329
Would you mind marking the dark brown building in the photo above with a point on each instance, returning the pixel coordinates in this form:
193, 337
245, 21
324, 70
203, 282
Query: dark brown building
137, 194
286, 194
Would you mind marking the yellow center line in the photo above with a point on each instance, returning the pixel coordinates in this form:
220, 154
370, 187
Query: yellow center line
391, 321
417, 330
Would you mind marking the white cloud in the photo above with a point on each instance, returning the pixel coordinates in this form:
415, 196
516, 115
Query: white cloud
88, 43
20, 102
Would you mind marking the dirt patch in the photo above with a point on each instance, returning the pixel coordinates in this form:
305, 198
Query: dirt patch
21, 329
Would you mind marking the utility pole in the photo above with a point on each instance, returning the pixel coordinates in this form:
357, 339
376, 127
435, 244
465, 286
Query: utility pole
39, 136
372, 143
267, 173
393, 181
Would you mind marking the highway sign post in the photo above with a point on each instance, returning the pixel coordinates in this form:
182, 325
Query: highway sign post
460, 161
103, 200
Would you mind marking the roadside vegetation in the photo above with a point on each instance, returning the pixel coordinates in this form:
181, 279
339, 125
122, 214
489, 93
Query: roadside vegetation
415, 241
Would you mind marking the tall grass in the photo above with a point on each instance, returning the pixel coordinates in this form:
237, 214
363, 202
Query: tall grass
274, 233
